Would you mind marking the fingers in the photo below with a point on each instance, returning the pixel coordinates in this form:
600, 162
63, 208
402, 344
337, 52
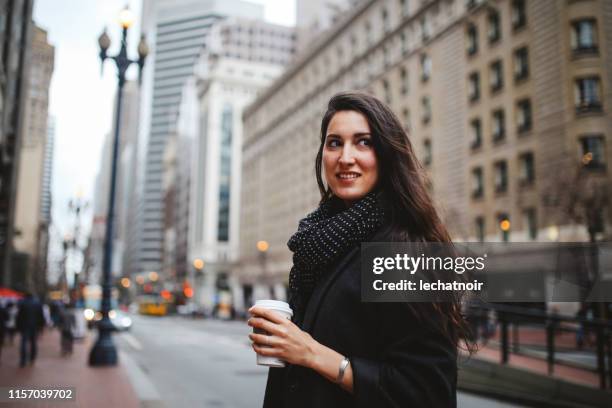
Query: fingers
263, 340
267, 314
267, 326
266, 351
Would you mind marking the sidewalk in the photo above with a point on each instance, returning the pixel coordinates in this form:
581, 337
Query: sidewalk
94, 387
525, 377
536, 336
540, 366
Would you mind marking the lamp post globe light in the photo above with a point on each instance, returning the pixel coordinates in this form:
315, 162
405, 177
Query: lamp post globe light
104, 352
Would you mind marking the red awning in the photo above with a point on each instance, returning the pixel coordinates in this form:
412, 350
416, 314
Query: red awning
10, 293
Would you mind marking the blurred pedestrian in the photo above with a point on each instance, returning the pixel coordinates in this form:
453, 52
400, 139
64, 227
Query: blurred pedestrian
11, 322
66, 326
47, 315
583, 337
55, 316
3, 319
30, 320
342, 352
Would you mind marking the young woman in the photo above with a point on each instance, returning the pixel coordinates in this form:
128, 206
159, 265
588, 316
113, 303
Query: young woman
342, 352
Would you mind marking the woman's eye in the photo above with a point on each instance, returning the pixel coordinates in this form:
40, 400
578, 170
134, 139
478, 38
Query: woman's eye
333, 143
365, 142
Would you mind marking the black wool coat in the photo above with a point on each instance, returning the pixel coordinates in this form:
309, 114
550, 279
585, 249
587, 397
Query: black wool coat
397, 359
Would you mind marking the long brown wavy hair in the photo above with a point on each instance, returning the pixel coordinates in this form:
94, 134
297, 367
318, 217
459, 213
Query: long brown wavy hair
402, 181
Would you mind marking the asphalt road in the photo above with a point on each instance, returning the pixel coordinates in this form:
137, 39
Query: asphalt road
178, 362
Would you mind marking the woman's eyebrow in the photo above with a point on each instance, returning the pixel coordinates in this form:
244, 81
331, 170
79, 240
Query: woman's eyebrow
357, 134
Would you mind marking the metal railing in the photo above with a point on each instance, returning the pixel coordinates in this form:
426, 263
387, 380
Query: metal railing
552, 324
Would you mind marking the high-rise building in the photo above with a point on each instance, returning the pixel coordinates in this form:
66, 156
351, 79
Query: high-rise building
46, 196
242, 57
176, 31
126, 199
15, 38
125, 185
33, 235
506, 103
95, 250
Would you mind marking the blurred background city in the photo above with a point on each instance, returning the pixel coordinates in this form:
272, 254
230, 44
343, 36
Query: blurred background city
211, 136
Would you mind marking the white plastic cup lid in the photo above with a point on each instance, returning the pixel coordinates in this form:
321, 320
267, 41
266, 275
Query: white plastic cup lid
275, 305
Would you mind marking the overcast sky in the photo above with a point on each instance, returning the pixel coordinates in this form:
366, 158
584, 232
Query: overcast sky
81, 99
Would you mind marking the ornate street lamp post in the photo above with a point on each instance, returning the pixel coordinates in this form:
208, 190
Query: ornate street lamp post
104, 352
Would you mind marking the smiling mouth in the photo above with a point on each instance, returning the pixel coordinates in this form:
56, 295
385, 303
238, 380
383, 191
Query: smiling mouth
348, 175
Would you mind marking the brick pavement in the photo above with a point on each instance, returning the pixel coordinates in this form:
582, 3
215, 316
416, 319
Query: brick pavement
540, 366
94, 387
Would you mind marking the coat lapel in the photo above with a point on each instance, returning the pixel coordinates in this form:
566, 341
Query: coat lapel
321, 289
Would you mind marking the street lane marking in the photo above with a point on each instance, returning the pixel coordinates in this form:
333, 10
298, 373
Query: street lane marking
132, 341
142, 384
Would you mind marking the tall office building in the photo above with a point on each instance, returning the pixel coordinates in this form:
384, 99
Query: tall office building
126, 199
506, 103
125, 186
46, 196
15, 38
176, 31
95, 250
33, 228
242, 57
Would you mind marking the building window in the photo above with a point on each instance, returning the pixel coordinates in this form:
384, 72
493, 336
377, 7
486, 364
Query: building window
405, 7
386, 91
588, 95
426, 105
472, 39
386, 59
501, 176
427, 154
521, 64
353, 41
499, 127
385, 21
476, 133
494, 27
592, 150
584, 36
479, 224
368, 34
340, 54
406, 118
504, 226
405, 81
404, 42
474, 86
523, 116
529, 215
425, 29
519, 14
425, 67
477, 183
527, 169
225, 166
497, 76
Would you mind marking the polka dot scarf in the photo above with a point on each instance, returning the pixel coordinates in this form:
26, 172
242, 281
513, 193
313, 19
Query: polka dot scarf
322, 238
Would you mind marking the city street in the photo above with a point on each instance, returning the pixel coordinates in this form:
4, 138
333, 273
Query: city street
207, 363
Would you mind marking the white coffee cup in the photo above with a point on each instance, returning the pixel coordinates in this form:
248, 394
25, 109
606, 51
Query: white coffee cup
283, 309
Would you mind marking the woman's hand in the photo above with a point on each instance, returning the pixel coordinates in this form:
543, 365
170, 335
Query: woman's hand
284, 340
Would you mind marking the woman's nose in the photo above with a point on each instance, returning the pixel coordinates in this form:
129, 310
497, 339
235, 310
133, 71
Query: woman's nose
347, 156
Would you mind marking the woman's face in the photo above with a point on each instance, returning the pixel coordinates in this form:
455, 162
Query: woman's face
349, 161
